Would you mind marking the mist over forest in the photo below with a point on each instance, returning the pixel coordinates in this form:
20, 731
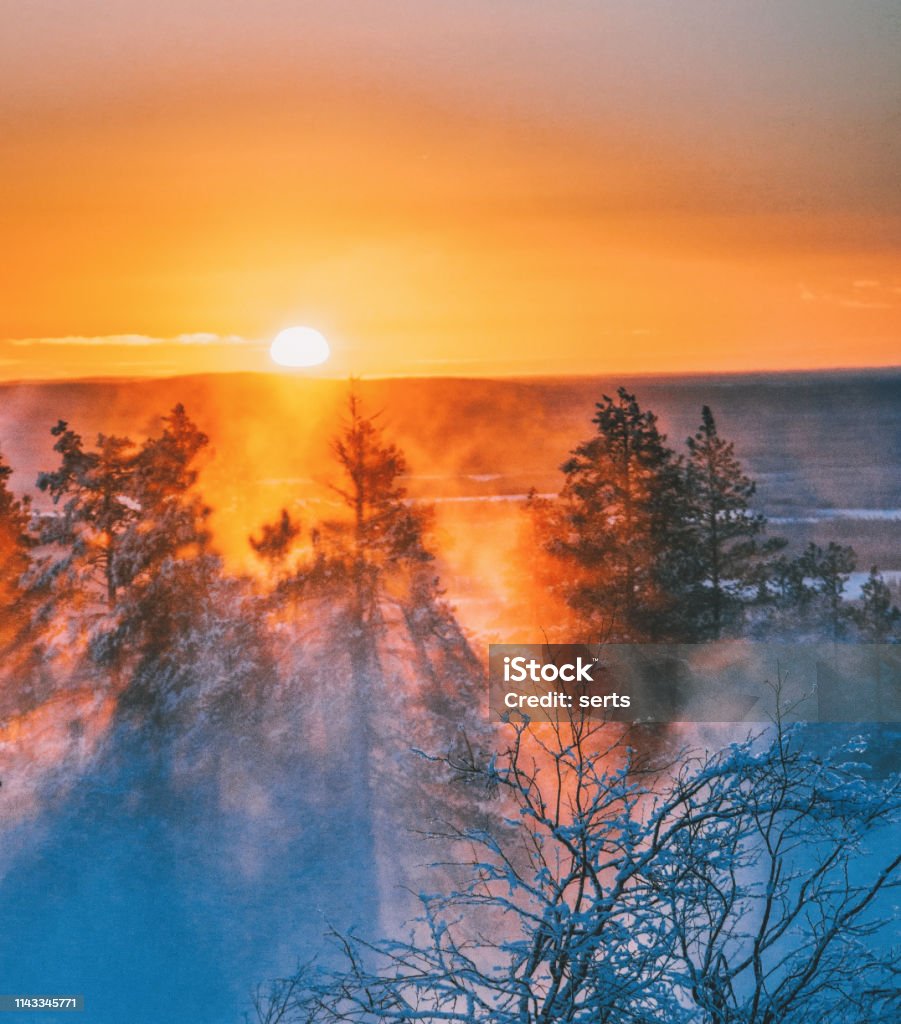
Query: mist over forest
245, 621
824, 450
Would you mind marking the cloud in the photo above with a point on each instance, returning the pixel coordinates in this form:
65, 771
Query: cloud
136, 340
210, 339
851, 301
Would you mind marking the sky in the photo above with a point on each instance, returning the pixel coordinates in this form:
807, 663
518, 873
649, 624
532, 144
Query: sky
469, 188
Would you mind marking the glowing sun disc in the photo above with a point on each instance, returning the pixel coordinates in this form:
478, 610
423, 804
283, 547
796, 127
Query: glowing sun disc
299, 346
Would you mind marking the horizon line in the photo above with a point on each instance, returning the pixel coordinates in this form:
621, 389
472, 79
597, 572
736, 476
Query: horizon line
529, 375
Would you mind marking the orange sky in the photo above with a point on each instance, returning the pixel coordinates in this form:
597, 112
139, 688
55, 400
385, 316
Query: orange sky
469, 188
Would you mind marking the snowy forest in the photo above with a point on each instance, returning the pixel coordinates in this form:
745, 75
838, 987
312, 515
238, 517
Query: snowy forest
266, 784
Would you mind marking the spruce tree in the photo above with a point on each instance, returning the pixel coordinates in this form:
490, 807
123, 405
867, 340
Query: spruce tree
878, 619
829, 569
171, 523
193, 635
94, 494
128, 527
725, 552
618, 528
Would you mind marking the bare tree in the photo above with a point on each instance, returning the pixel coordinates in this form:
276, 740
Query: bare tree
737, 886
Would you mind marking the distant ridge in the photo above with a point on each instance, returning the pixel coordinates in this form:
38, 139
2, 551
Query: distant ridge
691, 375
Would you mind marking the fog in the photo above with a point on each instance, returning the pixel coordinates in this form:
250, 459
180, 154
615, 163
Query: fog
165, 869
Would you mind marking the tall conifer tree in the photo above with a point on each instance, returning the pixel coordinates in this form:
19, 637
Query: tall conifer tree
117, 550
380, 642
617, 529
878, 618
725, 552
829, 569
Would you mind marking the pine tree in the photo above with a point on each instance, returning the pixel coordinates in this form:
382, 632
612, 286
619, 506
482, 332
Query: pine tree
175, 603
829, 569
725, 552
172, 516
383, 540
372, 563
378, 640
390, 568
97, 509
618, 527
877, 618
783, 586
126, 513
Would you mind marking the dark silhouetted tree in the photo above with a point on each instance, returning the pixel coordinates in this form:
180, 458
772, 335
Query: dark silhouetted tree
726, 554
829, 569
783, 599
618, 529
877, 617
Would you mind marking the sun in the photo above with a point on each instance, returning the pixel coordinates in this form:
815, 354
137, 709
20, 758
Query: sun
299, 346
